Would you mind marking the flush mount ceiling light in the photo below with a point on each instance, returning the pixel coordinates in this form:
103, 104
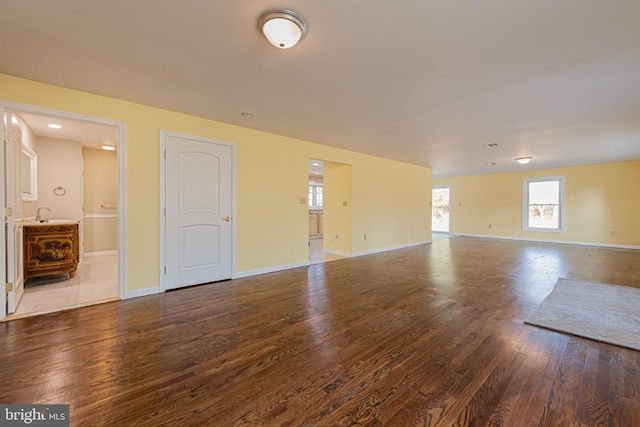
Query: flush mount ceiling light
523, 160
283, 28
108, 147
54, 126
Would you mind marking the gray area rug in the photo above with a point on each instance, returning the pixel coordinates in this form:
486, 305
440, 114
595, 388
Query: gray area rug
607, 313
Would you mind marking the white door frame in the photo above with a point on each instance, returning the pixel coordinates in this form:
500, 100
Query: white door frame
436, 187
163, 173
9, 222
3, 231
120, 144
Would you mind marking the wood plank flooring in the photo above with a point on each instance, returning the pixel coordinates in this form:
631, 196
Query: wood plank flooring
426, 336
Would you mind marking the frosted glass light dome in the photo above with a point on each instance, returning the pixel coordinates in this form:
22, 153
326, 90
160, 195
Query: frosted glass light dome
283, 28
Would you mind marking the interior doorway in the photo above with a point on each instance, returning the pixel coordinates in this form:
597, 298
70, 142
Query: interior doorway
65, 157
315, 203
329, 211
440, 209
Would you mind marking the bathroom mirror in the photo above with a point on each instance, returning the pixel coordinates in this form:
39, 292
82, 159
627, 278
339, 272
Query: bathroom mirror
29, 174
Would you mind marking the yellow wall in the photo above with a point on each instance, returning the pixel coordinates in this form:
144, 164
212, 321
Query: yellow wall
599, 198
338, 217
100, 189
391, 204
390, 199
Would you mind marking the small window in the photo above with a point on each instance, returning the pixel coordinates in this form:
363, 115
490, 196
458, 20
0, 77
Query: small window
315, 197
543, 204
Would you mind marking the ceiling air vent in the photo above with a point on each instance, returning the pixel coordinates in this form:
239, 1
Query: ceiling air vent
492, 145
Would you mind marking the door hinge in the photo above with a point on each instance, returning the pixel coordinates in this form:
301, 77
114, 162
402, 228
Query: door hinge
165, 211
165, 270
9, 287
8, 212
165, 154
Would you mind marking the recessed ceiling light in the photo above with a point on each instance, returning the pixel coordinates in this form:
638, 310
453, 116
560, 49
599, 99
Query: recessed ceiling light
492, 145
54, 126
108, 147
523, 160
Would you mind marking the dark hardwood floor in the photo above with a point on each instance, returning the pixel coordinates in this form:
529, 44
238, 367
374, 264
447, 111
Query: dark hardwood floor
432, 335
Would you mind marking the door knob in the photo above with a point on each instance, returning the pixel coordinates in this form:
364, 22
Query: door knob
227, 218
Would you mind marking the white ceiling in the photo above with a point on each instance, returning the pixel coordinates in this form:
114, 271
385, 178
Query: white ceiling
316, 167
89, 134
421, 81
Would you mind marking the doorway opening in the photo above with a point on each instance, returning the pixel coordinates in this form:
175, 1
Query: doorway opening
329, 211
73, 176
440, 209
315, 202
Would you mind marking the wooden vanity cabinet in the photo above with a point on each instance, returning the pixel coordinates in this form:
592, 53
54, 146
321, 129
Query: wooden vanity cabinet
51, 249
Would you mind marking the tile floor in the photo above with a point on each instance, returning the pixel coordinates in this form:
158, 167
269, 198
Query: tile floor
96, 280
317, 255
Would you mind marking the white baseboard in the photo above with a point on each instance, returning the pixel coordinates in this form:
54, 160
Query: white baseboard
331, 251
258, 271
390, 248
562, 242
114, 252
142, 292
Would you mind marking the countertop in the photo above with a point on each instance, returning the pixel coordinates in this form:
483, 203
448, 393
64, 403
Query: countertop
51, 222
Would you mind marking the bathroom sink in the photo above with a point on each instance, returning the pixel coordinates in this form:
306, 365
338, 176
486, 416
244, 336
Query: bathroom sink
54, 221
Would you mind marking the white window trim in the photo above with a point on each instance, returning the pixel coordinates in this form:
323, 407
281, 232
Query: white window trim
315, 206
525, 204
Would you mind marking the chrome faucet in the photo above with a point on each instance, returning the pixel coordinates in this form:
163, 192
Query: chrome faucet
38, 217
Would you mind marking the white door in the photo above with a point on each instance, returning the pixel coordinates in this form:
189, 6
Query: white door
9, 300
199, 207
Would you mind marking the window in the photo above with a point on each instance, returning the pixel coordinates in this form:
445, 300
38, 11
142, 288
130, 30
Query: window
543, 204
315, 197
